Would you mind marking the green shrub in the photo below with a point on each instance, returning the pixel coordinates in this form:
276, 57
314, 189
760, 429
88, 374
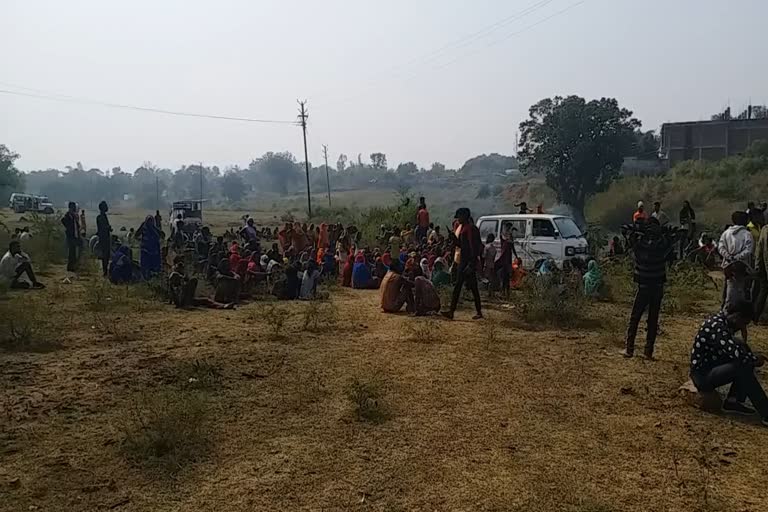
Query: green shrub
166, 430
552, 300
424, 330
367, 399
319, 316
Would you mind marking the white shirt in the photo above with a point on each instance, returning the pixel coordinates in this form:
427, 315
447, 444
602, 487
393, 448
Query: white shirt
661, 217
9, 263
25, 236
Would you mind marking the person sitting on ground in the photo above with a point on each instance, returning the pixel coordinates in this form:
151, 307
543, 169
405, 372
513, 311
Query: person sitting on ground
361, 275
182, 290
379, 269
518, 274
16, 268
25, 234
309, 281
718, 358
439, 275
228, 284
426, 300
593, 280
121, 267
395, 292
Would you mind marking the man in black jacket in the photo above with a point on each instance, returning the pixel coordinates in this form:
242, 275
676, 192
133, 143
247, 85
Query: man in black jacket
469, 248
651, 249
72, 232
104, 231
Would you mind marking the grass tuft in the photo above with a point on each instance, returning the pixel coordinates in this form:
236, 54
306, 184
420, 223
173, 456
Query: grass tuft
367, 400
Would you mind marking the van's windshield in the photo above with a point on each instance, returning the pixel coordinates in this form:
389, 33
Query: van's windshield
567, 228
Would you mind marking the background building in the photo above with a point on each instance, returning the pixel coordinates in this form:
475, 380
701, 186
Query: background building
710, 140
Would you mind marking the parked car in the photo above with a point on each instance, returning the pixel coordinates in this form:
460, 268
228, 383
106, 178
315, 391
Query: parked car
537, 236
22, 203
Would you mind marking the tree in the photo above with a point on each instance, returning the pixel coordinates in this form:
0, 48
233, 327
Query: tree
11, 179
276, 172
578, 145
233, 186
489, 164
437, 167
758, 112
406, 169
646, 145
378, 160
341, 163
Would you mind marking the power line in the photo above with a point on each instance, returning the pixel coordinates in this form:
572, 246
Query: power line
458, 43
84, 101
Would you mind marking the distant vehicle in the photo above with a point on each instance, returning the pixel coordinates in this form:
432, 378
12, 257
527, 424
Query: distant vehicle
537, 236
191, 213
22, 203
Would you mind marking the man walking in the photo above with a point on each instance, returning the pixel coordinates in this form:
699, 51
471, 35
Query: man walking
468, 250
651, 247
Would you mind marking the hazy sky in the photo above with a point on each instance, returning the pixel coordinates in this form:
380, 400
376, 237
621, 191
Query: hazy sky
379, 76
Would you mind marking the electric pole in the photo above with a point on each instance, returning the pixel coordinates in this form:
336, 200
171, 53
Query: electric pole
201, 190
303, 115
327, 176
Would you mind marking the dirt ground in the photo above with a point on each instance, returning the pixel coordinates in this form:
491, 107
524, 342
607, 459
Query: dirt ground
486, 416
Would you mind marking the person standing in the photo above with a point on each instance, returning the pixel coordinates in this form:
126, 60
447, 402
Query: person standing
651, 248
467, 254
640, 216
104, 232
736, 248
72, 235
422, 221
83, 230
659, 214
688, 223
158, 220
761, 282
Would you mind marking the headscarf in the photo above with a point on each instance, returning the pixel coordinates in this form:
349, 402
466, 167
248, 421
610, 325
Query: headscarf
424, 264
264, 261
593, 278
386, 258
361, 273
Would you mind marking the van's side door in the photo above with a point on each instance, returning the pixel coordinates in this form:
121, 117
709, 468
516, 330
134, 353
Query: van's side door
544, 241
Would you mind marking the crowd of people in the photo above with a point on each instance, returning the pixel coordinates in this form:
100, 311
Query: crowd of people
412, 263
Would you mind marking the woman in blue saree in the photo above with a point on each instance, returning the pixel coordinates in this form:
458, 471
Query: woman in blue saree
121, 266
150, 248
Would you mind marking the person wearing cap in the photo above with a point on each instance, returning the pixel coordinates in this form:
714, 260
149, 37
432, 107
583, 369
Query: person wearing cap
640, 215
468, 250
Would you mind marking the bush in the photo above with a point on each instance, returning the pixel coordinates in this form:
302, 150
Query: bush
550, 300
424, 330
319, 316
25, 326
276, 317
199, 374
166, 430
366, 398
47, 245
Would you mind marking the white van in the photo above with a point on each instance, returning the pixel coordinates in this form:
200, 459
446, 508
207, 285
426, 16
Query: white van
537, 236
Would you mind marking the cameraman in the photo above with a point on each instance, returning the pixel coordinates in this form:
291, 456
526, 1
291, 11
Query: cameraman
651, 247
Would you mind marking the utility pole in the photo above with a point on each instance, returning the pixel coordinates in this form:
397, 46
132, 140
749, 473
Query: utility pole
157, 192
327, 176
303, 115
201, 190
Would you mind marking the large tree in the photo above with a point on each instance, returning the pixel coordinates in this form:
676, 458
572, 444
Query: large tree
11, 180
578, 145
277, 172
233, 186
378, 160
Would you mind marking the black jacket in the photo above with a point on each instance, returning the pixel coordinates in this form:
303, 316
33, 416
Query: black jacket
651, 249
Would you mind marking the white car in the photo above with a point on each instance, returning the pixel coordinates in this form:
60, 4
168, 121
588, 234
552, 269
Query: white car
537, 236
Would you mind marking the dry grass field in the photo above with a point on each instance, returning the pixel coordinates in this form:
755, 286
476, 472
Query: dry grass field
112, 400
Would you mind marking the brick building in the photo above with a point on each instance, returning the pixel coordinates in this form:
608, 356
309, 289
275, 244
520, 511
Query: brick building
710, 140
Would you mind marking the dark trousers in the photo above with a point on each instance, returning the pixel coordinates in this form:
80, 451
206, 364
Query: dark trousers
743, 383
760, 294
647, 297
72, 249
466, 275
105, 265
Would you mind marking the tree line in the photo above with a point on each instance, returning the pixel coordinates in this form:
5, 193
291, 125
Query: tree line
577, 145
